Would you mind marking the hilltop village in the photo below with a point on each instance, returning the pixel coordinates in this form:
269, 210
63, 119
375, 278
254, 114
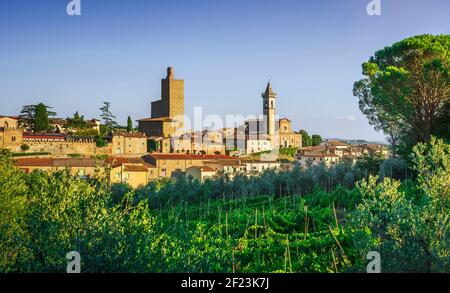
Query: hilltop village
160, 147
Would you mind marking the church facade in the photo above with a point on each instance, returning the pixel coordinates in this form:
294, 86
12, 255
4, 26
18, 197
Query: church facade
277, 131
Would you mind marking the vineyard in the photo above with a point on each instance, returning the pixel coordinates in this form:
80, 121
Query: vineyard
257, 234
313, 220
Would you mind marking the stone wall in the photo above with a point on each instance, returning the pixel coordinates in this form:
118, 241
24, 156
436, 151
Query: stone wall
63, 148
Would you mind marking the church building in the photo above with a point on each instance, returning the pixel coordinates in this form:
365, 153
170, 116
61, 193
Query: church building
278, 131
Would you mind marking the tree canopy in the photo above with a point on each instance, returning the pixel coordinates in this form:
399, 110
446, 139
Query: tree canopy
306, 139
41, 122
77, 122
316, 139
36, 117
406, 90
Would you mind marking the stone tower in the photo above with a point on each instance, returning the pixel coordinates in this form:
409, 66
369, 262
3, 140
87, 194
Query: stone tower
269, 97
171, 104
167, 114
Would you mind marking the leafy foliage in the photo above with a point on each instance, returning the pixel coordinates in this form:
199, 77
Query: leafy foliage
313, 220
306, 139
406, 91
316, 139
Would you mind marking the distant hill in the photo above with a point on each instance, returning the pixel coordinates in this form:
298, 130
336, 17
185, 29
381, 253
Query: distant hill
357, 141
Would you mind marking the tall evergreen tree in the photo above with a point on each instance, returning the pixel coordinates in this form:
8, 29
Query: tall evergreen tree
108, 117
129, 124
27, 117
41, 122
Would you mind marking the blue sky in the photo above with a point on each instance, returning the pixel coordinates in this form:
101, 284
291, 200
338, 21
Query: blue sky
225, 50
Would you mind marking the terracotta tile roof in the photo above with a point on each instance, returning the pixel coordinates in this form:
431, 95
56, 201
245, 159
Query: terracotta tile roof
135, 168
318, 155
30, 135
259, 161
119, 161
312, 148
234, 163
129, 134
78, 162
159, 156
34, 162
58, 162
336, 143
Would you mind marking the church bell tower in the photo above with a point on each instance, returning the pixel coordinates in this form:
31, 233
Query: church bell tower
269, 97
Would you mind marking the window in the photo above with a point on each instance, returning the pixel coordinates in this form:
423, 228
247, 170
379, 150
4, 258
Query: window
13, 138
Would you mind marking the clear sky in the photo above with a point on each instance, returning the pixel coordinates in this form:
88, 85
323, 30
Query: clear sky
225, 50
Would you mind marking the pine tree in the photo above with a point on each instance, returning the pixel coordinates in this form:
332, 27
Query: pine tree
108, 117
41, 122
27, 116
